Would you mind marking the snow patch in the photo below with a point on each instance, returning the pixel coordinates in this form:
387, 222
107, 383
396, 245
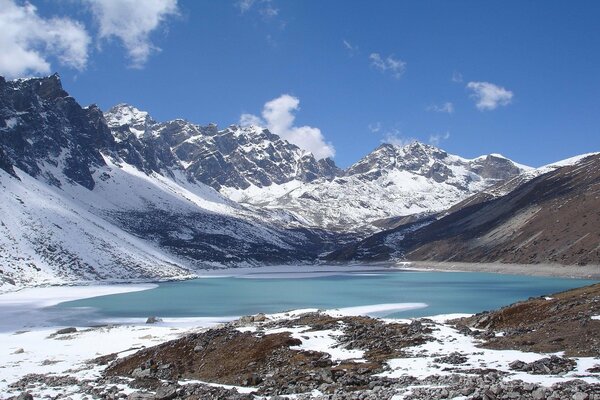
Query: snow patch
376, 310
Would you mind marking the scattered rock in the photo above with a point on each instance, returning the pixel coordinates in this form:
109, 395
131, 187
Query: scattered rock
553, 365
140, 396
595, 369
166, 392
65, 331
454, 358
19, 351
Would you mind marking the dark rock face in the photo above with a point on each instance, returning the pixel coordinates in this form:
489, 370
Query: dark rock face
238, 157
220, 239
42, 124
5, 164
235, 157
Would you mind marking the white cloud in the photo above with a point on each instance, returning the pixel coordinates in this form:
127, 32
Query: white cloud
394, 66
244, 5
489, 96
132, 23
352, 49
251, 119
395, 137
28, 40
278, 116
438, 138
269, 11
457, 77
447, 107
264, 7
374, 127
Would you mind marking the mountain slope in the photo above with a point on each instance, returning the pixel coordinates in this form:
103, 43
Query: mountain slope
47, 238
551, 218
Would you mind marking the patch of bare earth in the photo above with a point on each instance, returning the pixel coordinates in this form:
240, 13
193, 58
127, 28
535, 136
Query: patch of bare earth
267, 361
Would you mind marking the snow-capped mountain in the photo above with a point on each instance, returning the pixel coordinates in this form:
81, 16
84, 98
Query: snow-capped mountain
80, 201
389, 182
256, 167
232, 158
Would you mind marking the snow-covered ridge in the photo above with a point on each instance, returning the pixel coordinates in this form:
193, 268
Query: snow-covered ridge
391, 181
232, 158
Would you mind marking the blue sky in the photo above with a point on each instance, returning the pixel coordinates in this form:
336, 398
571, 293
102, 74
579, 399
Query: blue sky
520, 78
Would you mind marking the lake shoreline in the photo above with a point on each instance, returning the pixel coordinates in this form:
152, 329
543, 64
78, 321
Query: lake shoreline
542, 270
547, 270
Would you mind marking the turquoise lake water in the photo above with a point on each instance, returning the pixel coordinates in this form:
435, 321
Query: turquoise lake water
443, 292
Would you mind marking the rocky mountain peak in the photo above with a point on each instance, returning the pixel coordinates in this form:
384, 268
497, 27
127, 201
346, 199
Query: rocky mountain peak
45, 132
125, 115
415, 157
236, 157
432, 162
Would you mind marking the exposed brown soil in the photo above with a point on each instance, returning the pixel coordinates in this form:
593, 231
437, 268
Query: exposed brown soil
562, 323
219, 355
229, 356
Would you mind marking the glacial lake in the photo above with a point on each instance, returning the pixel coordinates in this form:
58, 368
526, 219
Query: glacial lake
216, 297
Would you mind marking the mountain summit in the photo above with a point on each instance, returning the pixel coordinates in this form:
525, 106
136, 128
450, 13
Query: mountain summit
232, 158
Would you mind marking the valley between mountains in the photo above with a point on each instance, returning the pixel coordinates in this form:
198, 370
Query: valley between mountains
92, 195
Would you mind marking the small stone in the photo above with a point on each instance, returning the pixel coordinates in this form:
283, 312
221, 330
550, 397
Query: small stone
580, 396
19, 351
166, 392
260, 317
140, 396
153, 320
141, 373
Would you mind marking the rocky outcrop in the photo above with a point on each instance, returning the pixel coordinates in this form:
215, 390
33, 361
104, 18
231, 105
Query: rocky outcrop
270, 362
553, 365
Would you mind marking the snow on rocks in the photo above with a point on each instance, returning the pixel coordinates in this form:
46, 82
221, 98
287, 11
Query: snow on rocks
308, 355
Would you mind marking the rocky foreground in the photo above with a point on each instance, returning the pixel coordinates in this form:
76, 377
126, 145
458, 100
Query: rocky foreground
543, 348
